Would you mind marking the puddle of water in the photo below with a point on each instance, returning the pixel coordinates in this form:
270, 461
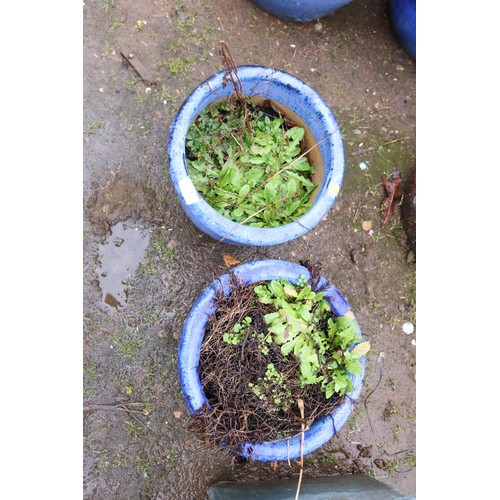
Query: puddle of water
119, 258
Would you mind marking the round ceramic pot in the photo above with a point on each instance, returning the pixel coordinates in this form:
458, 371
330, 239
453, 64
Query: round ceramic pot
296, 100
323, 429
404, 20
300, 10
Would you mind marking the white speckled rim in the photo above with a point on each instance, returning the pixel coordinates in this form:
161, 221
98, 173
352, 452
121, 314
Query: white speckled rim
302, 100
322, 429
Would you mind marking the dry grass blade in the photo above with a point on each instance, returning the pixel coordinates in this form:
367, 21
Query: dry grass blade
301, 408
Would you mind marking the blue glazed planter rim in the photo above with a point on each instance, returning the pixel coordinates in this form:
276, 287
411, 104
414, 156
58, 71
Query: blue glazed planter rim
200, 212
322, 430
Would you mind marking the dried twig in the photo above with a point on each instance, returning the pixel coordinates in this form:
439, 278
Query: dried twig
374, 148
232, 76
300, 402
117, 407
377, 110
371, 392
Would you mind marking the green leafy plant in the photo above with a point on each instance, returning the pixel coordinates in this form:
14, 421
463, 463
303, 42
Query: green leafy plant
303, 326
139, 25
249, 166
239, 332
273, 387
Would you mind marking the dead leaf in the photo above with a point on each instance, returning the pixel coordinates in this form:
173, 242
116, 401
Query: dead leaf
362, 348
381, 463
392, 196
366, 225
230, 260
273, 465
177, 414
290, 291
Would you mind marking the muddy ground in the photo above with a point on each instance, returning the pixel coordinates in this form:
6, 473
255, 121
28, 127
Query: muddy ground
145, 263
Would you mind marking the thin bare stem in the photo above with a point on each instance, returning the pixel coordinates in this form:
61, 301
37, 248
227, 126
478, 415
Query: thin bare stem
232, 76
300, 403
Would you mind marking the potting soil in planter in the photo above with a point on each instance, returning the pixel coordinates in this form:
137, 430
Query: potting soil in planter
269, 345
249, 162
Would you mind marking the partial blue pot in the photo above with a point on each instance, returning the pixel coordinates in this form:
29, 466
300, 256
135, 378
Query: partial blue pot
298, 101
323, 429
300, 10
404, 20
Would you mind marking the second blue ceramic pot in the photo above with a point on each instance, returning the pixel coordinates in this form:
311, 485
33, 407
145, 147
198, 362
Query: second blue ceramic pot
404, 20
300, 10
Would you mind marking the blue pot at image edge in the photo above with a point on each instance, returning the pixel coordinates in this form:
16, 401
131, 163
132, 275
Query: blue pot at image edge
323, 429
297, 96
404, 21
300, 10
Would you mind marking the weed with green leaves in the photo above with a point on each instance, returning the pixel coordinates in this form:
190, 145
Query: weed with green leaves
249, 165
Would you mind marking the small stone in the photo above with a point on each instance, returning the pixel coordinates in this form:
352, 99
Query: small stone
410, 257
318, 26
363, 165
408, 328
354, 255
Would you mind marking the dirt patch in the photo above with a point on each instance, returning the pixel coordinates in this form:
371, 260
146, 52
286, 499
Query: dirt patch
117, 200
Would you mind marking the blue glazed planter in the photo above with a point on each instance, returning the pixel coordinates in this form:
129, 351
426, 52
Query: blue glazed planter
404, 20
300, 10
323, 429
298, 101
